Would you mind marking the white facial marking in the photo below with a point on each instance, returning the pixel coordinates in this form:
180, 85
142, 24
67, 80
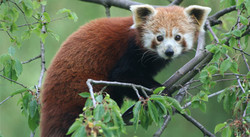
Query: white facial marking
147, 38
189, 38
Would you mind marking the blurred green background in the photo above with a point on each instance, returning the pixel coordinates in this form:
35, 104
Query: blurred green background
14, 124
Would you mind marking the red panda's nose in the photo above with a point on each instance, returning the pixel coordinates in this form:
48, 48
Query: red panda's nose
169, 52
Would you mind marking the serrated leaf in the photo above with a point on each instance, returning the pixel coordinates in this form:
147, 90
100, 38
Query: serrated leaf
32, 108
144, 118
218, 127
18, 92
226, 132
212, 69
73, 16
80, 132
56, 36
74, 127
33, 122
225, 65
64, 10
98, 112
195, 104
106, 117
203, 106
248, 6
234, 68
153, 112
232, 42
46, 16
243, 20
175, 104
99, 98
236, 33
84, 94
18, 67
136, 111
161, 105
239, 2
11, 50
159, 89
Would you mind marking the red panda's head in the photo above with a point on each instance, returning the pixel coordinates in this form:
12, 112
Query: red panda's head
171, 30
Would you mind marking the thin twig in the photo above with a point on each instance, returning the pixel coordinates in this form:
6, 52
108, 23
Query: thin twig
198, 125
209, 96
43, 30
37, 57
16, 82
238, 80
5, 99
89, 81
121, 84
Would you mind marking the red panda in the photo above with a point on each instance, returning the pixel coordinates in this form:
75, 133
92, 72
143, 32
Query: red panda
125, 49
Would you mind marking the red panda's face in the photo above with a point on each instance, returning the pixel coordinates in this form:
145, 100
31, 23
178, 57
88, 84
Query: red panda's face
168, 31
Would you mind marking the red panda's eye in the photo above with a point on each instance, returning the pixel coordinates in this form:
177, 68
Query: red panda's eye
159, 38
177, 37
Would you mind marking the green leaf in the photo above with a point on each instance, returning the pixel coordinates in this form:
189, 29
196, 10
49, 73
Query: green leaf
46, 16
18, 67
27, 11
234, 68
226, 132
236, 33
175, 103
232, 42
18, 92
225, 65
159, 89
99, 98
153, 113
28, 3
243, 20
218, 127
144, 118
56, 36
248, 6
32, 108
80, 132
202, 106
239, 2
84, 94
33, 122
44, 2
25, 35
11, 50
212, 69
98, 112
136, 111
74, 127
106, 117
73, 16
64, 10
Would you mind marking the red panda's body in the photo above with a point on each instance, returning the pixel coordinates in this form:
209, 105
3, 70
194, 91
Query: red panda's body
104, 49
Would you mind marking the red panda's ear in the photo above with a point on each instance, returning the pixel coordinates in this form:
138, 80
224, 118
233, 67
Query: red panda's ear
141, 13
198, 13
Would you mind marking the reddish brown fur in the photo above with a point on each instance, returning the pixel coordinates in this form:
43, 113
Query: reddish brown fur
60, 99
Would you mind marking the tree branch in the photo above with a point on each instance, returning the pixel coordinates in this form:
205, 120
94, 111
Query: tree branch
198, 125
37, 57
